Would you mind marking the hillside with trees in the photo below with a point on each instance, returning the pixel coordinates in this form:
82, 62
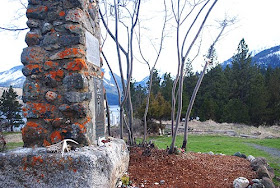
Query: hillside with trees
242, 93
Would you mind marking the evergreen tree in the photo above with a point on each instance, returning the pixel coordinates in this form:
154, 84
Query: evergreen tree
156, 82
166, 87
241, 73
138, 95
10, 108
258, 97
273, 90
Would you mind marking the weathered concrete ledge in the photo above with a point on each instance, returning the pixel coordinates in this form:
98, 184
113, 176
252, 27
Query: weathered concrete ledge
90, 166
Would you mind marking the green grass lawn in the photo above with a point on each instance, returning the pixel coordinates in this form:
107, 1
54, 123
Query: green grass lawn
13, 145
226, 145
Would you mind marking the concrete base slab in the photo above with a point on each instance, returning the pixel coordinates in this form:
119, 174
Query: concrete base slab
91, 166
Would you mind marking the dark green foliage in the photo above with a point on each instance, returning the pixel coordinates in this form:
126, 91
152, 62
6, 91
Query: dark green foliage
243, 93
10, 109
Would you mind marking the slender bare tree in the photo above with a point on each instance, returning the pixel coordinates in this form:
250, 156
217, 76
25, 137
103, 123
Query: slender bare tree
125, 13
182, 55
151, 66
208, 61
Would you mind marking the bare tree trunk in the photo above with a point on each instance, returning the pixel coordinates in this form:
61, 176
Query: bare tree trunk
191, 105
208, 60
147, 105
119, 94
152, 72
108, 115
128, 55
183, 58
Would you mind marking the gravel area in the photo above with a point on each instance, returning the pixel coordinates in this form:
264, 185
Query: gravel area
272, 151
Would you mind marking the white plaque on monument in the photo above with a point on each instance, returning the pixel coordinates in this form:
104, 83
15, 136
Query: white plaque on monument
92, 45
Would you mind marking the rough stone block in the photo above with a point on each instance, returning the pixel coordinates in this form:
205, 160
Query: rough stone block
31, 69
74, 28
75, 81
76, 65
46, 28
262, 172
68, 53
86, 167
50, 82
36, 11
259, 161
38, 110
51, 96
78, 16
74, 110
75, 3
50, 65
75, 15
31, 90
33, 134
267, 182
32, 23
34, 2
33, 37
33, 55
67, 40
75, 97
56, 75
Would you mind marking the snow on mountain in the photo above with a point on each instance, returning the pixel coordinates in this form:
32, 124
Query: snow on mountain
12, 77
265, 58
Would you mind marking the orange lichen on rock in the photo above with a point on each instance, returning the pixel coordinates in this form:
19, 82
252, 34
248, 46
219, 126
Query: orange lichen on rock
50, 65
46, 143
42, 108
37, 9
34, 67
82, 126
57, 75
71, 52
32, 124
56, 137
102, 74
76, 65
32, 110
36, 159
61, 13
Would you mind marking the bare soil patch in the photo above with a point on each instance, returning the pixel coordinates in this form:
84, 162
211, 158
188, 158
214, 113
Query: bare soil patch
231, 129
16, 137
186, 170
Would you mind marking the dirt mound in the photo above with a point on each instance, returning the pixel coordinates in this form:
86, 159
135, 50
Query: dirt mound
186, 170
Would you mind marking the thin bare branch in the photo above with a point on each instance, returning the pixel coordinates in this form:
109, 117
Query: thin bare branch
14, 29
190, 28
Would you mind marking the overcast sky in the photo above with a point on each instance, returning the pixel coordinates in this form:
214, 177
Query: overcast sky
257, 23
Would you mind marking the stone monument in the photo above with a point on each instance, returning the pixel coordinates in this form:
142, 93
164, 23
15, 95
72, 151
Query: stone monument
63, 91
63, 96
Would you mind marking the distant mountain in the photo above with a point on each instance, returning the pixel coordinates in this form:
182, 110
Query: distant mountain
12, 77
111, 88
266, 58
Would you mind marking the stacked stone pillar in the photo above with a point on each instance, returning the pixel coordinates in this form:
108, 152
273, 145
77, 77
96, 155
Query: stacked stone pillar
63, 91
